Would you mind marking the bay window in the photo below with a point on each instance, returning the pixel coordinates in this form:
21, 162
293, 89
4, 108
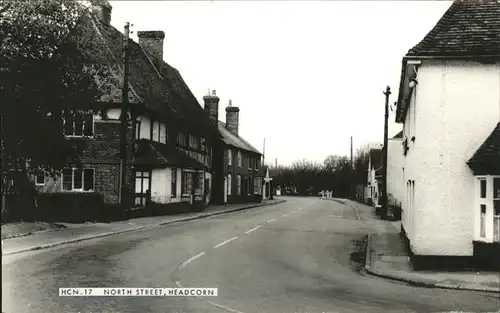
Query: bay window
487, 209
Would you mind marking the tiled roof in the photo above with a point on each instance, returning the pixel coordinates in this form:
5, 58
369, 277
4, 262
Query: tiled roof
162, 155
376, 158
236, 141
154, 84
468, 28
486, 159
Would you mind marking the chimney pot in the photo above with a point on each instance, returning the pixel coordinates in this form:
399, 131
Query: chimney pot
152, 42
212, 107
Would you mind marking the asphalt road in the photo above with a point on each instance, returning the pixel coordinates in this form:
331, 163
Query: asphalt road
299, 256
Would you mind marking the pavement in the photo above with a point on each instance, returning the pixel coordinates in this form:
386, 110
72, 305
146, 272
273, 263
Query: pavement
78, 232
388, 258
304, 255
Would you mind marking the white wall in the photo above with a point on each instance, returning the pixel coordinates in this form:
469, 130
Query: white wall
457, 107
160, 185
395, 159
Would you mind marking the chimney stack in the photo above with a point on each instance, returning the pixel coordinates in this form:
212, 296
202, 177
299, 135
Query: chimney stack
102, 10
232, 118
152, 42
212, 106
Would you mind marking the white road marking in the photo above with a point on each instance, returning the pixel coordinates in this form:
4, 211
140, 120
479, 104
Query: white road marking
300, 209
224, 307
251, 230
286, 214
191, 259
293, 212
270, 221
224, 242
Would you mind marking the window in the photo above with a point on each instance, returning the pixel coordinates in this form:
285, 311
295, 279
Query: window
257, 163
203, 144
199, 178
142, 185
194, 142
482, 226
187, 183
250, 163
163, 133
155, 131
77, 179
248, 186
496, 209
229, 184
40, 179
181, 139
173, 184
238, 185
482, 188
210, 157
78, 124
137, 129
239, 159
229, 157
257, 185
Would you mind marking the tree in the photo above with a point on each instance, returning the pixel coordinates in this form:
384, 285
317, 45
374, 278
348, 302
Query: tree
44, 74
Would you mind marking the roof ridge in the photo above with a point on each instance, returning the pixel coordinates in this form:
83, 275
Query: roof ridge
106, 44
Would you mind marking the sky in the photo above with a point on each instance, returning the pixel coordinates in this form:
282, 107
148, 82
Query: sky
306, 75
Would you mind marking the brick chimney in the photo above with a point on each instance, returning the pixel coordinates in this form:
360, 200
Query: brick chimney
152, 42
232, 118
212, 106
102, 10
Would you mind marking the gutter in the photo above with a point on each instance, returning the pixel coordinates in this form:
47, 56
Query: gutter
452, 57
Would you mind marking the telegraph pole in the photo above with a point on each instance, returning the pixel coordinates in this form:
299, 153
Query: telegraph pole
264, 153
124, 116
384, 203
352, 184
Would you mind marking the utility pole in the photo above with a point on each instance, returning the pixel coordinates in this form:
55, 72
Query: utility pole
264, 153
384, 203
352, 182
124, 116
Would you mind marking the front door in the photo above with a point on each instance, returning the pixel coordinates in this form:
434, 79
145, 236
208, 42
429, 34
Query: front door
142, 185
